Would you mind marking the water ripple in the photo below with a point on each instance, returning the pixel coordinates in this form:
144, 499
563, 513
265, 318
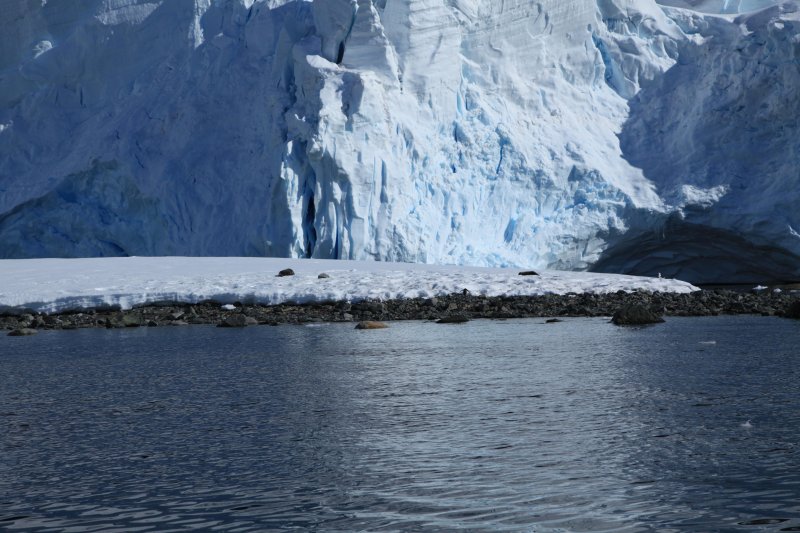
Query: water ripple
488, 427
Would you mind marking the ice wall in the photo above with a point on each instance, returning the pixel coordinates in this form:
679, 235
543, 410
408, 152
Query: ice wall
549, 133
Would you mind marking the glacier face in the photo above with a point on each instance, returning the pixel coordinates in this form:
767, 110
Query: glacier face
606, 134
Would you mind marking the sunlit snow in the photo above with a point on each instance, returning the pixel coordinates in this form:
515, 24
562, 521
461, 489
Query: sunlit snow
53, 285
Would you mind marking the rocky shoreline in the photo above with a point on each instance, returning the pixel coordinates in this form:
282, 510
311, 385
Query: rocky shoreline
700, 303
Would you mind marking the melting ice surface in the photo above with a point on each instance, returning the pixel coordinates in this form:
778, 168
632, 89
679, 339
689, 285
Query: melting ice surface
617, 135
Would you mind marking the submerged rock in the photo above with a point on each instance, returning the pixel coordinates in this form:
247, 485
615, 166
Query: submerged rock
635, 315
371, 324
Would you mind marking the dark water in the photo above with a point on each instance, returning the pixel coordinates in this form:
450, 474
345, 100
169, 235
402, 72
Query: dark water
499, 426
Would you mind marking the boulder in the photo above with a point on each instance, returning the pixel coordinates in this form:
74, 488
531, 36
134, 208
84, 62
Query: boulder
132, 321
453, 319
793, 311
635, 315
233, 321
23, 332
371, 324
286, 272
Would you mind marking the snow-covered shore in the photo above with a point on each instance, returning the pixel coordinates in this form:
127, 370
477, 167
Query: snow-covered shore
56, 285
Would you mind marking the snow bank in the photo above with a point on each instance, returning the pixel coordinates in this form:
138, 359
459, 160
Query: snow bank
53, 285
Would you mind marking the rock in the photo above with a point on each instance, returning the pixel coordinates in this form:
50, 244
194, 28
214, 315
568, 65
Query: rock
152, 324
131, 321
250, 321
371, 324
23, 332
233, 321
347, 317
635, 315
553, 321
286, 272
178, 323
453, 319
323, 276
793, 311
528, 273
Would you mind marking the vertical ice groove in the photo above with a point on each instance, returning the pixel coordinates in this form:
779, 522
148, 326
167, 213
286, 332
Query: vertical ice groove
333, 20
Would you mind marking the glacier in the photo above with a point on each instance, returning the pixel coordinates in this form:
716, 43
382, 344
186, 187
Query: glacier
610, 135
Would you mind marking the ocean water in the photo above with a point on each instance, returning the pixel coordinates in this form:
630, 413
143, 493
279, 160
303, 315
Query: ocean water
691, 425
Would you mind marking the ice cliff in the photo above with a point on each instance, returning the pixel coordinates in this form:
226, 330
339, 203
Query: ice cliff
613, 135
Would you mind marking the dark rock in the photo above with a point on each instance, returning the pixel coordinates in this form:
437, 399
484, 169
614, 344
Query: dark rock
286, 272
635, 315
323, 276
793, 311
23, 332
233, 321
152, 324
528, 273
553, 321
453, 319
371, 324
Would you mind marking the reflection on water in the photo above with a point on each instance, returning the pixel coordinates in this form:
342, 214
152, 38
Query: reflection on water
504, 425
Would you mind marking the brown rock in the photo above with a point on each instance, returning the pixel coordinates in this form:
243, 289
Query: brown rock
371, 324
